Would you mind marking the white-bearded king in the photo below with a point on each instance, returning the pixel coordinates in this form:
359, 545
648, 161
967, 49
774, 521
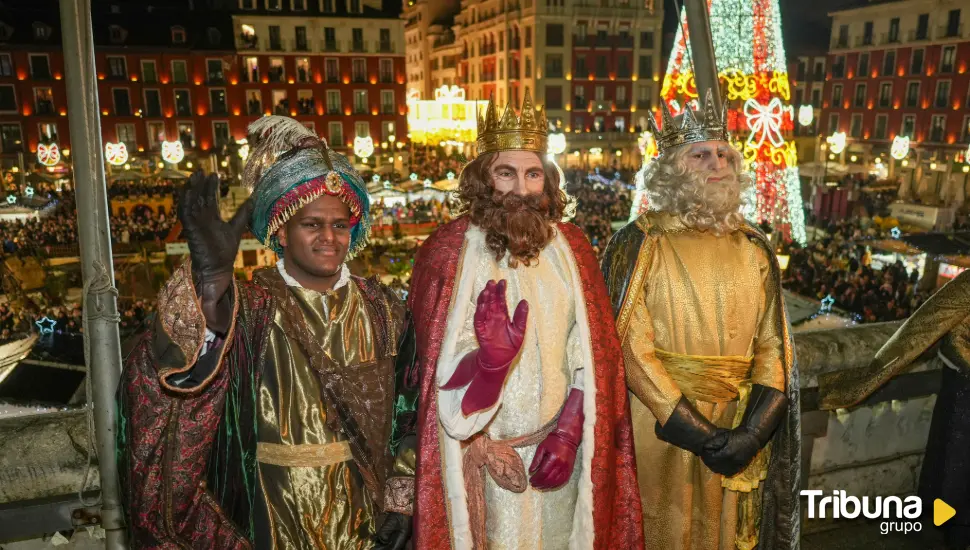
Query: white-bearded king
709, 364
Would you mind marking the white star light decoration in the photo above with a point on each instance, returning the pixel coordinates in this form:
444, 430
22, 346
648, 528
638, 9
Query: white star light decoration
375, 178
827, 304
413, 176
29, 191
765, 122
450, 176
427, 183
46, 325
895, 232
11, 199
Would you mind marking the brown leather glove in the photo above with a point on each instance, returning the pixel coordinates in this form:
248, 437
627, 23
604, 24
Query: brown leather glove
213, 245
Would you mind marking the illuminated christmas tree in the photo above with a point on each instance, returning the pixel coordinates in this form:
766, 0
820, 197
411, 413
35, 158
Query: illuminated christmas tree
754, 77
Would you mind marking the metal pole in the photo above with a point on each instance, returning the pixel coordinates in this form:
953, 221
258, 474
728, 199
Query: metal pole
100, 301
702, 51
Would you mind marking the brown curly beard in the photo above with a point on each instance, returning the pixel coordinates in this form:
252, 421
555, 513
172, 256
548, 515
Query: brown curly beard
520, 225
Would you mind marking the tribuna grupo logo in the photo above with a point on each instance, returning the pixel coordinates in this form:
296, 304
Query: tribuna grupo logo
900, 515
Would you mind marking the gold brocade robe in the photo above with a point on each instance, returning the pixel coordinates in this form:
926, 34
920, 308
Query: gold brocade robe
697, 294
313, 507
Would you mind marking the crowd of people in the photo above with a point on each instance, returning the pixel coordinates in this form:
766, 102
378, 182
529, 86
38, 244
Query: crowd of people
20, 321
839, 268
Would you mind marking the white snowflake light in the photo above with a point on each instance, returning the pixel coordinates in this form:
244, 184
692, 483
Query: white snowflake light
806, 114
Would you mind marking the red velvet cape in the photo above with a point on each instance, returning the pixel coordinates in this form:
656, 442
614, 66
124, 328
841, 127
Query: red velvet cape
616, 498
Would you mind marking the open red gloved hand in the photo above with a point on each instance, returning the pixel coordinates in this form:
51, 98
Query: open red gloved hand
485, 369
556, 456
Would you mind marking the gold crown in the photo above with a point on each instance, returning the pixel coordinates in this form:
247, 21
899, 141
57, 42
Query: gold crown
513, 133
712, 127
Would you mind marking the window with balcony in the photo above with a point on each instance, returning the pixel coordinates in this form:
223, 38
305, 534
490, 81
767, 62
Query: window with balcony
528, 37
11, 140
180, 72
554, 35
937, 128
601, 68
299, 5
867, 33
357, 43
889, 63
117, 68
186, 131
183, 106
333, 102
833, 123
6, 65
855, 126
331, 67
43, 101
153, 103
800, 72
553, 66
335, 134
274, 5
362, 129
881, 123
220, 134
922, 27
579, 97
254, 102
819, 71
305, 103
122, 101
126, 135
281, 103
646, 40
843, 37
149, 75
329, 39
250, 69
384, 45
893, 36
817, 97
837, 96
359, 70
946, 59
838, 67
275, 38
528, 67
885, 94
303, 69
387, 70
40, 67
646, 66
355, 6
360, 102
329, 6
302, 45
387, 102
623, 67
599, 93
277, 69
912, 94
908, 127
965, 130
942, 94
863, 67
621, 99
388, 130
860, 96
916, 62
215, 71
156, 135
217, 101
953, 24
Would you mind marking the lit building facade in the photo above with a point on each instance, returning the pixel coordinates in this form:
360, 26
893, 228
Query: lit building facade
900, 69
595, 67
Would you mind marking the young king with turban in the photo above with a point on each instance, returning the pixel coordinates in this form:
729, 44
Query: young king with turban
276, 413
714, 390
523, 426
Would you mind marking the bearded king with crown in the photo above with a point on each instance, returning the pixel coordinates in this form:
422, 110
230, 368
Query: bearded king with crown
714, 389
524, 434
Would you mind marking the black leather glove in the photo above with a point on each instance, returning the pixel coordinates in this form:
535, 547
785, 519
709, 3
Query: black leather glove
394, 533
731, 451
686, 428
213, 245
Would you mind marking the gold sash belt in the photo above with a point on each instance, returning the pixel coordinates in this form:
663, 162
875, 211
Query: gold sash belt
505, 466
314, 456
714, 379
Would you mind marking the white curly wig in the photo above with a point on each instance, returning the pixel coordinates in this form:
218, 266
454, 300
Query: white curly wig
672, 186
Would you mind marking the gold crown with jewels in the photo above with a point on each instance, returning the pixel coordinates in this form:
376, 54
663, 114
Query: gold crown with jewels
694, 127
527, 132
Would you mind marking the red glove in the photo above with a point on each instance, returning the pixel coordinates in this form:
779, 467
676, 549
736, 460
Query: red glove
499, 340
556, 455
